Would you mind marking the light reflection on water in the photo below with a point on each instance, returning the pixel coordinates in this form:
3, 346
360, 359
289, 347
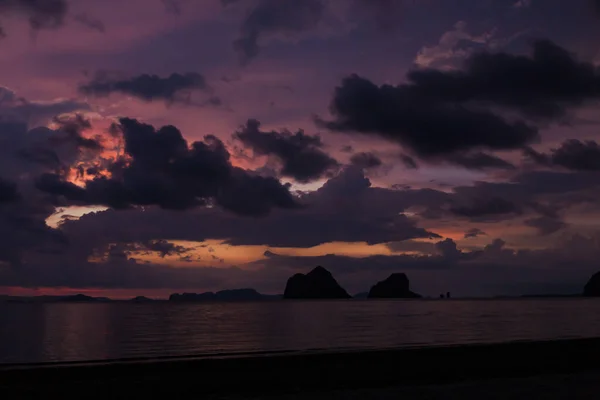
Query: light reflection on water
78, 332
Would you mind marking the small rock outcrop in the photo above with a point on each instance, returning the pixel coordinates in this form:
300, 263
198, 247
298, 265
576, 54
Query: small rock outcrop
317, 284
396, 286
592, 287
141, 299
223, 295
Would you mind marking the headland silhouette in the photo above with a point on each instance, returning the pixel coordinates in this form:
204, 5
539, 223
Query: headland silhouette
317, 284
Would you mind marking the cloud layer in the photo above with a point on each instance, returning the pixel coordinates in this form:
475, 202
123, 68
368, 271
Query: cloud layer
465, 157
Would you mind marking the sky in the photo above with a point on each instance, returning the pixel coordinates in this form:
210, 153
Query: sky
157, 146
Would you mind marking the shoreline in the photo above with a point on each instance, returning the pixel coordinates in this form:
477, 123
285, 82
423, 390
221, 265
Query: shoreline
276, 373
30, 367
7, 299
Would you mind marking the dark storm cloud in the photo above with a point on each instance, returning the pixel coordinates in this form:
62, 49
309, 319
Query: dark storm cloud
164, 171
439, 113
544, 85
175, 87
479, 161
366, 160
24, 154
346, 208
487, 207
473, 233
300, 155
338, 264
546, 225
545, 210
24, 233
546, 183
60, 148
162, 247
273, 17
73, 127
573, 154
42, 14
159, 168
54, 184
428, 127
8, 191
542, 198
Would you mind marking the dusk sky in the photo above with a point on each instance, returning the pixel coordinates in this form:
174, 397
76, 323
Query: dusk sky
150, 147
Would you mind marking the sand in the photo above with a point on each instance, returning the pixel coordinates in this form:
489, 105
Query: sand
567, 369
582, 386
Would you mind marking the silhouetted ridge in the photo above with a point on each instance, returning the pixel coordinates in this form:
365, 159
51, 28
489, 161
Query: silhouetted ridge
592, 287
396, 286
317, 284
141, 299
80, 298
223, 295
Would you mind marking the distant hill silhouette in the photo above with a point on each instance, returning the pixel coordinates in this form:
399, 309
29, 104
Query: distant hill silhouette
141, 299
317, 284
592, 287
223, 295
78, 298
396, 286
81, 298
361, 295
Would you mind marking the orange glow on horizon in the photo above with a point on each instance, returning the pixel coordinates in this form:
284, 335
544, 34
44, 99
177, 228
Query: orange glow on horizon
215, 253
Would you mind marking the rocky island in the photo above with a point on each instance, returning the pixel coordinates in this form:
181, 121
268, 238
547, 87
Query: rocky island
592, 287
396, 286
317, 284
141, 299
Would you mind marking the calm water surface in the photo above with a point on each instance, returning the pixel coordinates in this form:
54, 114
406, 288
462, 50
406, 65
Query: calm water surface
76, 332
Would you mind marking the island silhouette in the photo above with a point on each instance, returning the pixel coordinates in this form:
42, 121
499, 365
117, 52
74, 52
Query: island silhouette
592, 287
396, 286
318, 283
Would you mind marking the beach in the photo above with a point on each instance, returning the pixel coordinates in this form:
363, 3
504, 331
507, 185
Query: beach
576, 386
542, 368
581, 386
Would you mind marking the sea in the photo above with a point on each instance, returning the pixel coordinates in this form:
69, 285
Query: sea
66, 332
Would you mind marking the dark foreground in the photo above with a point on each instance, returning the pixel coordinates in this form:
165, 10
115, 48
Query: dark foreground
541, 370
